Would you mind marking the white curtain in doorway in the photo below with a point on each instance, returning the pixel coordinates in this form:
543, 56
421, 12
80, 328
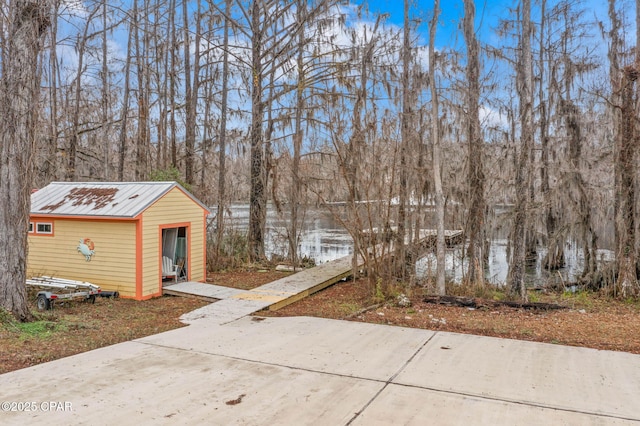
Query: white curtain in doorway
169, 241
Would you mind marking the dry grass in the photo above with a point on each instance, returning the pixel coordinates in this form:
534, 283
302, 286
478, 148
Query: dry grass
79, 327
589, 320
76, 326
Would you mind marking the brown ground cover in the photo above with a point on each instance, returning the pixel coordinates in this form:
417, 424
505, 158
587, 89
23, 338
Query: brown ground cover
77, 326
245, 279
588, 320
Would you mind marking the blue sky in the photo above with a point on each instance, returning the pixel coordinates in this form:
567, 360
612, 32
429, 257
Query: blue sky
488, 15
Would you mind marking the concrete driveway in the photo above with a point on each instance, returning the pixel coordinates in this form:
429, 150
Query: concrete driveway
310, 371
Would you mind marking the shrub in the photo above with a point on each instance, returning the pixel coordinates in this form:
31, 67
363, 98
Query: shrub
169, 174
233, 250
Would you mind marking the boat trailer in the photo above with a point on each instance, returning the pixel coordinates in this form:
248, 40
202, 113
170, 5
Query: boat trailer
51, 289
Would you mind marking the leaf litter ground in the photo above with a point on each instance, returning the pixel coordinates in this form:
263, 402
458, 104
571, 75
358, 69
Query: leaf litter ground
589, 320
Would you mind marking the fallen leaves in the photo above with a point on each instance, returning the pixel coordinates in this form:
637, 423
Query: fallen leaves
236, 401
588, 320
80, 327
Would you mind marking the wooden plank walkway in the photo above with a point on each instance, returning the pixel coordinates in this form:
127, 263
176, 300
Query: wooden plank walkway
290, 289
202, 291
426, 237
233, 303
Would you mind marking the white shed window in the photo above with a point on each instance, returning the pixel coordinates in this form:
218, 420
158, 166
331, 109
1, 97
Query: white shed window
31, 227
44, 228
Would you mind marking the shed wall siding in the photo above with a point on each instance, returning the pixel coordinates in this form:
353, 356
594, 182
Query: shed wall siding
173, 208
112, 267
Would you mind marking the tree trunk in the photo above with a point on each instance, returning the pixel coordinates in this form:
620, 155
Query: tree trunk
477, 251
554, 258
124, 117
626, 147
191, 92
351, 164
515, 276
195, 91
578, 184
172, 85
48, 171
435, 136
106, 94
222, 155
142, 49
162, 73
257, 198
72, 148
296, 184
405, 263
624, 116
29, 20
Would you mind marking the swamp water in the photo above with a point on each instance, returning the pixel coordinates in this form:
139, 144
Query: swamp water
324, 239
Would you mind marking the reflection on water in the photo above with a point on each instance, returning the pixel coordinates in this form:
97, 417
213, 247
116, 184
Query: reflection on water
498, 267
324, 239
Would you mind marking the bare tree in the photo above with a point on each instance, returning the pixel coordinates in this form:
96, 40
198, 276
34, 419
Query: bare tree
191, 91
477, 251
554, 258
624, 116
124, 116
74, 131
574, 183
296, 184
524, 85
310, 69
405, 260
272, 38
106, 92
222, 137
626, 146
47, 161
140, 19
173, 63
353, 157
29, 21
435, 137
257, 203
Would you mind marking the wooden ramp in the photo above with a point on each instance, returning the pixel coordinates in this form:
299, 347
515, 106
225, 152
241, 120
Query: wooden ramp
232, 303
273, 295
428, 237
300, 285
423, 243
196, 290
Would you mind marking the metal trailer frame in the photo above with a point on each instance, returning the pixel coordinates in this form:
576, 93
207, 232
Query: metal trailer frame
52, 289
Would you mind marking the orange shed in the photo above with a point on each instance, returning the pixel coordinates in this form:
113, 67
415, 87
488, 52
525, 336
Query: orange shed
128, 237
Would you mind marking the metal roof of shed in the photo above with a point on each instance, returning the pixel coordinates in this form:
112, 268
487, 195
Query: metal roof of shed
101, 199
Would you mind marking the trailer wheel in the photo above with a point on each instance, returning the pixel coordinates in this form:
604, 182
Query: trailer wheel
43, 303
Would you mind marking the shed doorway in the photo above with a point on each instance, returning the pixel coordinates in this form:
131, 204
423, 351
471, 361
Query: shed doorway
174, 248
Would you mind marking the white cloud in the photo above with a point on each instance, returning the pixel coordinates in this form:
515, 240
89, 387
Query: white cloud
73, 9
492, 118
